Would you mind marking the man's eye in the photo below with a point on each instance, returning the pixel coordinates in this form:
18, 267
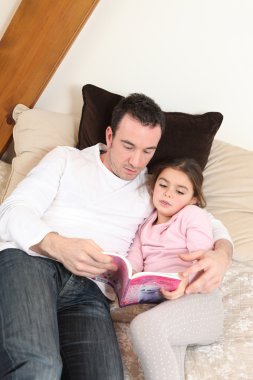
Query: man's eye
148, 151
128, 147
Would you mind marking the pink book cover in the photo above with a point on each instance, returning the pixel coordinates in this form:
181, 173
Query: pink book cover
143, 287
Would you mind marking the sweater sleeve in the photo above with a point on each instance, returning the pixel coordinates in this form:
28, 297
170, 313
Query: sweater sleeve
135, 254
198, 229
219, 230
21, 212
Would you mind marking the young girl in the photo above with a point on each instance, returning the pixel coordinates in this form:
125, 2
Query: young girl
178, 225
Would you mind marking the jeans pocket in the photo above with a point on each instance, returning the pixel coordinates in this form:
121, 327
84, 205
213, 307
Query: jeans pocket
79, 291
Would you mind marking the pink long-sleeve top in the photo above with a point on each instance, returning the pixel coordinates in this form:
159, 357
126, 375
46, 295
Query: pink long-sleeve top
156, 246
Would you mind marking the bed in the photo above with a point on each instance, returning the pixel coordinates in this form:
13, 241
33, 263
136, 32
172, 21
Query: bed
228, 188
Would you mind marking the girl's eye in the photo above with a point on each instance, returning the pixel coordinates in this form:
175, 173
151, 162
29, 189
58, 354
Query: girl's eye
180, 192
161, 185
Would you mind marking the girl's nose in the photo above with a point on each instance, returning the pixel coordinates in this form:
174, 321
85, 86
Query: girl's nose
168, 194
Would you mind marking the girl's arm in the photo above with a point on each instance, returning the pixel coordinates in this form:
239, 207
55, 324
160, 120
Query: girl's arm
135, 254
210, 264
196, 226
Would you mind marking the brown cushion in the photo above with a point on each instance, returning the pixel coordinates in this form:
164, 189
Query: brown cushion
185, 135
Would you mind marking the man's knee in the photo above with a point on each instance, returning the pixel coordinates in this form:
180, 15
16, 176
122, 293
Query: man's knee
30, 367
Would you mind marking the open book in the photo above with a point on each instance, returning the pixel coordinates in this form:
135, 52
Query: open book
143, 287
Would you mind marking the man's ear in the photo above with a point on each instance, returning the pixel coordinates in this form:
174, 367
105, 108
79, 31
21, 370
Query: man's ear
108, 136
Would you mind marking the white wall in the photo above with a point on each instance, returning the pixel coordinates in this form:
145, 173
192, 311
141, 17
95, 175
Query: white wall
189, 55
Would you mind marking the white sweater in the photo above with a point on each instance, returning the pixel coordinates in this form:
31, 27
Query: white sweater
71, 192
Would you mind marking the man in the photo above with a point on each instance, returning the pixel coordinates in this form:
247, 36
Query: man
55, 225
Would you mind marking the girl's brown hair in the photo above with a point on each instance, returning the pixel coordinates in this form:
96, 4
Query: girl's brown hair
190, 167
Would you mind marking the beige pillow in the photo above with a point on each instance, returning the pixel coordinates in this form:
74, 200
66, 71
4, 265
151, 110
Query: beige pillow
35, 133
228, 188
5, 170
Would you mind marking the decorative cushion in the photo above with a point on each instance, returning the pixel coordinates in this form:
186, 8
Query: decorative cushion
35, 133
185, 135
228, 187
5, 170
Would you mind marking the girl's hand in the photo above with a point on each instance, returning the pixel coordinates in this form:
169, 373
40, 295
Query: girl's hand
179, 292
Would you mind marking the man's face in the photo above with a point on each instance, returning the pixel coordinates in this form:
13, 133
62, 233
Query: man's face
131, 148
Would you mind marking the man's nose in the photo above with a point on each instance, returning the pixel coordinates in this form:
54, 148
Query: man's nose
135, 160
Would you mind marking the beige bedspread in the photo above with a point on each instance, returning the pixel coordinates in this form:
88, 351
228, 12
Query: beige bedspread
228, 359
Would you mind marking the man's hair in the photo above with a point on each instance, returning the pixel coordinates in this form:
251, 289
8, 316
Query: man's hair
140, 107
190, 167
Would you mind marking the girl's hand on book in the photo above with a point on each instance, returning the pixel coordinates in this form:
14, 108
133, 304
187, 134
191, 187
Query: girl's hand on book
179, 292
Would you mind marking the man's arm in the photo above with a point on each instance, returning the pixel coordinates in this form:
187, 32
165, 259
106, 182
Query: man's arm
82, 257
21, 213
210, 266
21, 221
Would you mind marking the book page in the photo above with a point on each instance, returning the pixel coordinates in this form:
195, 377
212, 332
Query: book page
170, 275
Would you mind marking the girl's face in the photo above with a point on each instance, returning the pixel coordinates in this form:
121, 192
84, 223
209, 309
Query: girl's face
173, 190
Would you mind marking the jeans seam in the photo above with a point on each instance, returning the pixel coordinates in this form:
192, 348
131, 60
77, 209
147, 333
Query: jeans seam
63, 288
4, 342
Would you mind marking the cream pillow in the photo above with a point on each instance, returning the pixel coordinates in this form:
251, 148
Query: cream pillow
5, 170
35, 133
228, 188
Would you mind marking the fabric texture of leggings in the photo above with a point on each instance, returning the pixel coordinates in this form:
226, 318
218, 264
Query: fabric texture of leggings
161, 335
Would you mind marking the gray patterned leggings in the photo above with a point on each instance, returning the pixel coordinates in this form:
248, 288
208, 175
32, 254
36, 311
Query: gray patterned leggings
161, 335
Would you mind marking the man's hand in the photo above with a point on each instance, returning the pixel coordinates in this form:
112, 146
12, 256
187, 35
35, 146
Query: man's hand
210, 267
82, 257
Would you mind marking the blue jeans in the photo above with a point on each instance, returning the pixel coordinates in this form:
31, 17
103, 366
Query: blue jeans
53, 324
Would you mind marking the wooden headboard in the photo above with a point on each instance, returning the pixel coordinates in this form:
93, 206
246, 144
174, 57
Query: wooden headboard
31, 49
